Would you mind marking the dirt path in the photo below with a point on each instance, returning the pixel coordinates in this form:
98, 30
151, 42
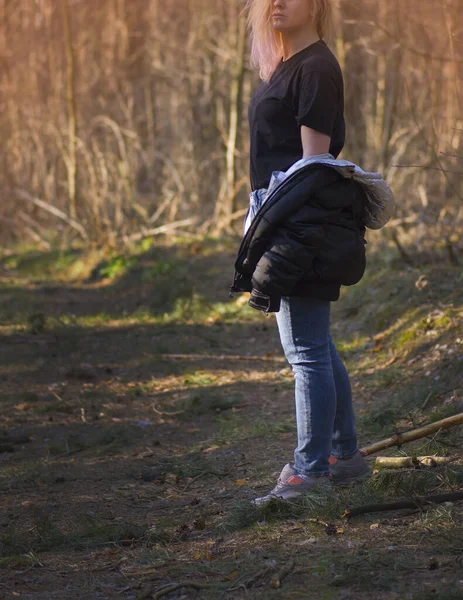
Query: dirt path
139, 417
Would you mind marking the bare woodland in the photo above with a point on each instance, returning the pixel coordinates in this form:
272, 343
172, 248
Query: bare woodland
122, 119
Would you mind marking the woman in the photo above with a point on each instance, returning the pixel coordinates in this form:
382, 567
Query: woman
298, 112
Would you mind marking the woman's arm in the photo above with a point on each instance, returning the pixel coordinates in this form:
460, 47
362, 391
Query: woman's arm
314, 142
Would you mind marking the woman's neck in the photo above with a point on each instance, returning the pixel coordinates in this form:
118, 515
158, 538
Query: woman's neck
293, 44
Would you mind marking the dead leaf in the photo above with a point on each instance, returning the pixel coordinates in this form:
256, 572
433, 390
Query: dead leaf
203, 556
240, 482
172, 478
307, 542
421, 283
391, 361
211, 449
374, 526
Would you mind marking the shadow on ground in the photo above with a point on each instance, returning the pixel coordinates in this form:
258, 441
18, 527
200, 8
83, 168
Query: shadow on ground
141, 406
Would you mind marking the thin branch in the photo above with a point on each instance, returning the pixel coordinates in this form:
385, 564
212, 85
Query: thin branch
52, 210
252, 580
136, 237
411, 49
426, 168
411, 219
416, 434
167, 414
459, 156
31, 231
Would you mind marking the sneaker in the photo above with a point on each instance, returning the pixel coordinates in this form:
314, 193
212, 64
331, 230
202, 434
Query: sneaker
292, 485
345, 471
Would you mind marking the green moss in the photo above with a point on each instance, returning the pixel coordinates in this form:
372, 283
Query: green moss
117, 266
442, 322
407, 336
199, 378
355, 345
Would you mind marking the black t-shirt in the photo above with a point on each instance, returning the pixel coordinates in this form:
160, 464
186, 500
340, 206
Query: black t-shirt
306, 89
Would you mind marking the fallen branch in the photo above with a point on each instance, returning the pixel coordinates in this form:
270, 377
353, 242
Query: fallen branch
415, 434
53, 210
167, 228
252, 580
418, 502
284, 572
399, 462
216, 473
36, 237
171, 587
458, 387
167, 414
203, 474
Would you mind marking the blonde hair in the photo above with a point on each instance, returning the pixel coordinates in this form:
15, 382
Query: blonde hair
266, 46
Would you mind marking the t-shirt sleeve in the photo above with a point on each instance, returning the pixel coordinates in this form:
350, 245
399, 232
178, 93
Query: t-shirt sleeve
317, 104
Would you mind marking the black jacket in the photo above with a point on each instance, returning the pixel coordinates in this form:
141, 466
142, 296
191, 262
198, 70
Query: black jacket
306, 240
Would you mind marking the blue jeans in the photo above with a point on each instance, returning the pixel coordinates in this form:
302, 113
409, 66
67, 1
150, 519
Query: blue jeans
324, 413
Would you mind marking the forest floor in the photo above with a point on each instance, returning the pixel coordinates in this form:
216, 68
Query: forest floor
141, 411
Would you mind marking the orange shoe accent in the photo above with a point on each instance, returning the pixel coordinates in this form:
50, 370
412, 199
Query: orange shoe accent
333, 460
295, 480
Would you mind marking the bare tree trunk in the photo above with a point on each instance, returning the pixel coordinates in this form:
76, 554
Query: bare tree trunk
71, 162
138, 107
226, 205
235, 114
